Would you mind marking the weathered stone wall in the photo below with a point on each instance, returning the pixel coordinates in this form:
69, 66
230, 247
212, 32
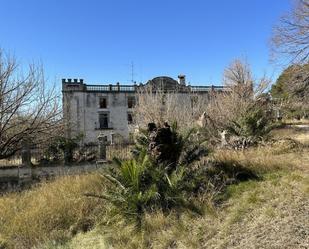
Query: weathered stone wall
82, 109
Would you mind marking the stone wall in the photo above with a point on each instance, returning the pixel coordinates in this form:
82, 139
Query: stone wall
82, 109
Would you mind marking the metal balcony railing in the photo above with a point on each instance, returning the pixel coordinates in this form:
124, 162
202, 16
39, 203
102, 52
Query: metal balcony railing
133, 88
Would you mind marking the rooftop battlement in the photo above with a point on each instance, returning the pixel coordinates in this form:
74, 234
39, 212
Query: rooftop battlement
74, 81
73, 85
166, 83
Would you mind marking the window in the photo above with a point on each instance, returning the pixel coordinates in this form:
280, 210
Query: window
131, 101
130, 118
103, 120
103, 102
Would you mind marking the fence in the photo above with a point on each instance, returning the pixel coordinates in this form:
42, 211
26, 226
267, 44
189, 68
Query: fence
120, 151
36, 152
87, 153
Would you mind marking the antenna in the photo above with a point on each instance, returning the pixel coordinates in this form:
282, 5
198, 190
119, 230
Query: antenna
132, 72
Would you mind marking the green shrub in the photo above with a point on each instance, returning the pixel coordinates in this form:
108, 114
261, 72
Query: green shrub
62, 147
253, 126
166, 146
156, 177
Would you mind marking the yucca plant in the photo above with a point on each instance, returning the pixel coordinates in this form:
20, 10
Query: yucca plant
169, 148
137, 186
154, 178
252, 127
127, 193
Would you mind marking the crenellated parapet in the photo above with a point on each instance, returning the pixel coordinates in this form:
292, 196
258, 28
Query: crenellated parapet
74, 81
73, 85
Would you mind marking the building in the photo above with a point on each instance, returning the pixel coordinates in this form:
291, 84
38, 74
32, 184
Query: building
92, 109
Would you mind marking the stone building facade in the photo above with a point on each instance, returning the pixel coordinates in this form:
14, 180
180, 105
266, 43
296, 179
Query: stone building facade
93, 109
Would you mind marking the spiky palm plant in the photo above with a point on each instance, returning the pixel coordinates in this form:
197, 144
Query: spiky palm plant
169, 148
137, 186
154, 178
127, 193
253, 126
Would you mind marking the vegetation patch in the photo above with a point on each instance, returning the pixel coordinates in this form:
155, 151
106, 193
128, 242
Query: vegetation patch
59, 215
52, 211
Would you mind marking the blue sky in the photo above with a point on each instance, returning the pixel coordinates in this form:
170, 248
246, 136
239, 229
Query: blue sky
97, 40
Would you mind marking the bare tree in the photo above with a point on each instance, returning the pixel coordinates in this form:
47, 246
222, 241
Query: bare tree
238, 76
291, 39
238, 73
243, 91
160, 106
29, 110
213, 112
291, 35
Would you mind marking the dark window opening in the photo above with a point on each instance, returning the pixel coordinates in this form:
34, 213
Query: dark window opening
103, 103
130, 118
103, 120
131, 102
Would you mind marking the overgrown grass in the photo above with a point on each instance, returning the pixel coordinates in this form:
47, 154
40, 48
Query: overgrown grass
300, 135
262, 160
255, 213
268, 212
52, 211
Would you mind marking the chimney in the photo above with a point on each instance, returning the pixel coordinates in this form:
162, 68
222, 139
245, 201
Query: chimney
182, 79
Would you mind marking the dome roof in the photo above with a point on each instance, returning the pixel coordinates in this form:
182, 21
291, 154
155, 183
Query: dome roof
164, 82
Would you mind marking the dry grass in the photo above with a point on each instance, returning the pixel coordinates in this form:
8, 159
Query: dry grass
16, 161
296, 122
267, 214
122, 152
300, 135
265, 159
257, 214
52, 211
10, 162
271, 212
